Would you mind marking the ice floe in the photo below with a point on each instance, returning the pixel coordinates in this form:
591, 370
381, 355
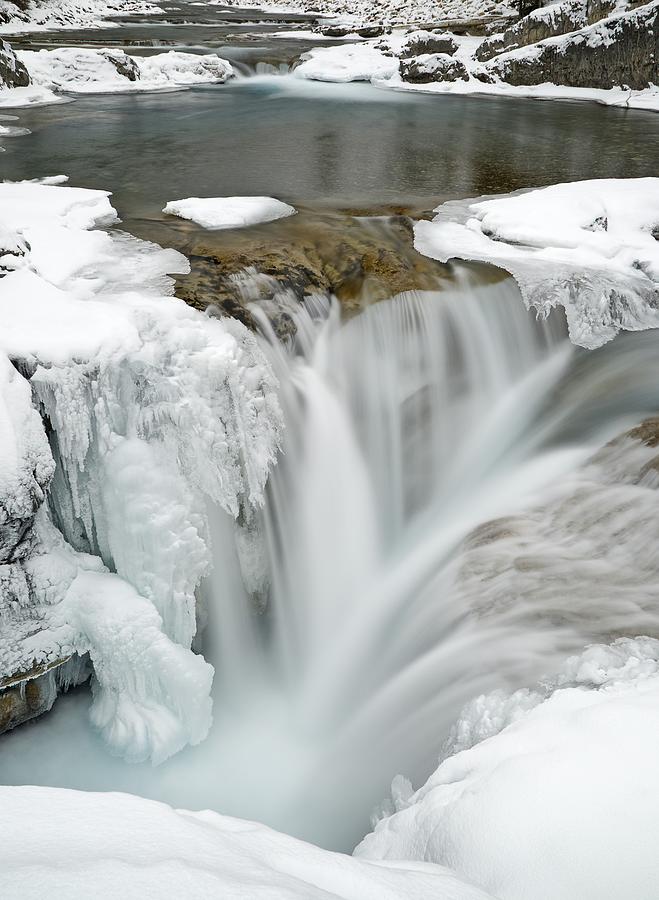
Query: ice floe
229, 212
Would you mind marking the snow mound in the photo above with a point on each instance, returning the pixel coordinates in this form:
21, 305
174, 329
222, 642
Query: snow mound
73, 845
561, 803
156, 414
229, 212
347, 62
589, 246
81, 71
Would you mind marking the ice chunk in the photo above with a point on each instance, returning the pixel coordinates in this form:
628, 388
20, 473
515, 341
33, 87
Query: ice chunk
229, 212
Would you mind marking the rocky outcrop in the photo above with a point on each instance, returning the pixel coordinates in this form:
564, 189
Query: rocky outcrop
124, 64
425, 42
546, 22
12, 71
432, 67
620, 51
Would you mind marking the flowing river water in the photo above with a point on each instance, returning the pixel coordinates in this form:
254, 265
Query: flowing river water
408, 427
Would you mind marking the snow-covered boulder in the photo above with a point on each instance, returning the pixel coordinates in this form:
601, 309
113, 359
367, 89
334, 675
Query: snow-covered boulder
432, 67
419, 43
70, 845
229, 212
588, 246
81, 70
555, 794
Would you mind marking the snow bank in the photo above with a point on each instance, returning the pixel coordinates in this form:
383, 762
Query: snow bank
588, 246
347, 62
79, 70
229, 212
53, 14
72, 845
156, 411
562, 802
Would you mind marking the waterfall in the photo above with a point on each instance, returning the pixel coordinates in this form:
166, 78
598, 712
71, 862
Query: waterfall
433, 448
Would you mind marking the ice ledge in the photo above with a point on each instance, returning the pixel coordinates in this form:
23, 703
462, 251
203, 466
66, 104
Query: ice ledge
589, 246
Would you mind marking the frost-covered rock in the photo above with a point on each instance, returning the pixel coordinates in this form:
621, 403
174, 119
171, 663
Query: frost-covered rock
588, 246
419, 43
229, 212
81, 70
555, 795
154, 411
71, 845
432, 67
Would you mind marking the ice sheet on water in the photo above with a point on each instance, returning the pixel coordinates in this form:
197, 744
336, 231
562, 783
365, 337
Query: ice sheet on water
589, 246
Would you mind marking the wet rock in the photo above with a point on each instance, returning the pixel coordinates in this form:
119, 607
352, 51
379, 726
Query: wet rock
420, 43
432, 67
26, 695
12, 71
371, 31
337, 31
620, 51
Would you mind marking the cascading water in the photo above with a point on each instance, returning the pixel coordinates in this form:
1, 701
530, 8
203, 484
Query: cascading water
406, 428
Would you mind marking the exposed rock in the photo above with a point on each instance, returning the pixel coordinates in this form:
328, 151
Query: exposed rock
432, 67
30, 694
337, 31
124, 64
620, 51
546, 22
12, 72
424, 42
371, 31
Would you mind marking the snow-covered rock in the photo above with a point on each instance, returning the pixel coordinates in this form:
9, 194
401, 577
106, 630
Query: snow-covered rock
155, 411
12, 72
71, 845
418, 43
229, 212
432, 67
81, 70
589, 246
556, 796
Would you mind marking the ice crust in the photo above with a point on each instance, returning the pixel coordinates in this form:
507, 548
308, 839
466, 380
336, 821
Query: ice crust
229, 212
567, 773
589, 246
155, 411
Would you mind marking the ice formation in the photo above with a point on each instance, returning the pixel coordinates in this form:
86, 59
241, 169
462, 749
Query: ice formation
555, 796
154, 412
229, 212
589, 246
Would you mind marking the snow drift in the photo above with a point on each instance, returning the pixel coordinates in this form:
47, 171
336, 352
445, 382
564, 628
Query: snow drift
229, 212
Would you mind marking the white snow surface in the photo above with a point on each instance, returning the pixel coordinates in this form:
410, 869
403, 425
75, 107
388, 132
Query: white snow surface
65, 14
81, 71
587, 246
559, 800
229, 212
157, 412
70, 845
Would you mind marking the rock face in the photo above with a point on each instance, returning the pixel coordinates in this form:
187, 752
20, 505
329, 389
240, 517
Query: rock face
546, 22
124, 64
620, 51
12, 72
424, 42
432, 67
